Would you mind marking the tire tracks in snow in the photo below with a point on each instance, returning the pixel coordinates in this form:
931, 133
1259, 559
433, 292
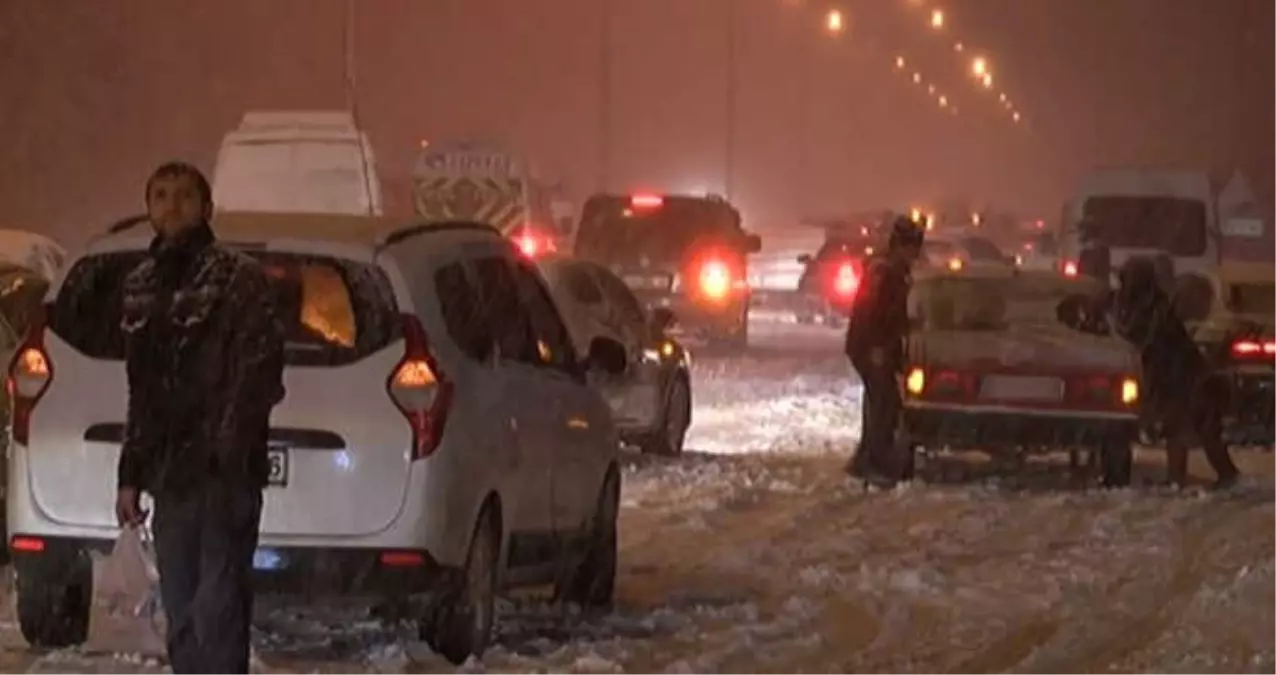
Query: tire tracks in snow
1128, 636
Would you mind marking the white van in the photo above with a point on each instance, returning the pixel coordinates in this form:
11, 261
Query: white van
1144, 212
297, 162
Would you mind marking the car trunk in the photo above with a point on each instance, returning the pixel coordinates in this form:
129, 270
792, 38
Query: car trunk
340, 445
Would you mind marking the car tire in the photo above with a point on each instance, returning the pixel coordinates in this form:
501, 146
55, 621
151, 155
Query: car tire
463, 618
670, 439
53, 604
1116, 464
591, 583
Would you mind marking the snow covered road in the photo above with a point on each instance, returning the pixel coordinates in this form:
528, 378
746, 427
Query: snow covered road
754, 553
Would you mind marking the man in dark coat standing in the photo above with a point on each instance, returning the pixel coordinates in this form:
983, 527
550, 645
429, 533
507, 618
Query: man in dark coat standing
204, 359
875, 346
1180, 392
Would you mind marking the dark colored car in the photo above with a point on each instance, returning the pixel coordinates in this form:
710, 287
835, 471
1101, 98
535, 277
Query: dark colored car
685, 253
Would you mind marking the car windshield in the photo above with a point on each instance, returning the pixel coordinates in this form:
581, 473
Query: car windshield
992, 304
1176, 226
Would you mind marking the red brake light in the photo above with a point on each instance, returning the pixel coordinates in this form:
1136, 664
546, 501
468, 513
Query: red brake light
1252, 348
715, 279
528, 244
847, 281
645, 201
1069, 268
419, 389
27, 544
402, 559
30, 373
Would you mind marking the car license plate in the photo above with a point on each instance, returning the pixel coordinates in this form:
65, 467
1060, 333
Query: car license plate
277, 458
1021, 388
659, 282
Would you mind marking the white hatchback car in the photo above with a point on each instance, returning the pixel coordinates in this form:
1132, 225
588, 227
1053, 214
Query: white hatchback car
438, 440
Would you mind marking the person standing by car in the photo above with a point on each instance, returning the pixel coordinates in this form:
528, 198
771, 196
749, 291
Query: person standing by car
204, 357
1182, 395
875, 346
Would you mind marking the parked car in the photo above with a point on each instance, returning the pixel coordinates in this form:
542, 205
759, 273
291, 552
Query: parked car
438, 437
651, 400
831, 277
963, 253
1000, 363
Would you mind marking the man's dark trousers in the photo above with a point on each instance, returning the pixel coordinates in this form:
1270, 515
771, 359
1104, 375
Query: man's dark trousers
881, 409
204, 545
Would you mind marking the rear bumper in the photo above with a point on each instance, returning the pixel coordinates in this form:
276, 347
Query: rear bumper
973, 428
308, 571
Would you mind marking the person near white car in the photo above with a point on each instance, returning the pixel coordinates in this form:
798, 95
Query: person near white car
205, 366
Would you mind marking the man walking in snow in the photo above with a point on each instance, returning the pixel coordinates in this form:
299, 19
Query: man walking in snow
875, 346
204, 359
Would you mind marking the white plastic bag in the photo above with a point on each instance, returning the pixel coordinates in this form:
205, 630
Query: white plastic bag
126, 616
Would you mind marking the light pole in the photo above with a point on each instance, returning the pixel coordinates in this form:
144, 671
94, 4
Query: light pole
604, 94
728, 179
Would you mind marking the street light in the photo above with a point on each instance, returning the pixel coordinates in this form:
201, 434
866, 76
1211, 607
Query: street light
959, 47
937, 19
943, 101
1015, 117
899, 62
930, 90
833, 21
1002, 97
917, 78
979, 66
987, 80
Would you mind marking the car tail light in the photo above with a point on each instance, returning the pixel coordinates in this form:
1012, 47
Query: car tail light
939, 384
1069, 268
30, 373
419, 390
532, 244
715, 279
645, 201
27, 544
847, 281
1104, 391
402, 558
1250, 349
955, 264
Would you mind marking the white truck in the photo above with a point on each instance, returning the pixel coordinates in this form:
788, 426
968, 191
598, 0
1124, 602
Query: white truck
297, 162
483, 182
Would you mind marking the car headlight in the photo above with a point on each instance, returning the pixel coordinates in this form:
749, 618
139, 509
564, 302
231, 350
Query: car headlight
1129, 391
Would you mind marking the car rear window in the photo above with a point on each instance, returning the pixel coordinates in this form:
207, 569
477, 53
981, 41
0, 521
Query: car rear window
335, 311
991, 304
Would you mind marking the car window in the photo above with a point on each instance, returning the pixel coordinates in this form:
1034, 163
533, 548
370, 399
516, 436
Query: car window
502, 310
628, 312
335, 311
580, 285
462, 315
981, 249
553, 343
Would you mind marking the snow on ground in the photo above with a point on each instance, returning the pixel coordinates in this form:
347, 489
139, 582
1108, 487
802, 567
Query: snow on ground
754, 553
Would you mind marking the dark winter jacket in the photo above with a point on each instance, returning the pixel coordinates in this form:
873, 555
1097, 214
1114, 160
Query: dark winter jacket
204, 349
879, 316
1173, 366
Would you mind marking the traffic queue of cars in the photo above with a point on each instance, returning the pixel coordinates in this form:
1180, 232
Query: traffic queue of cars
472, 411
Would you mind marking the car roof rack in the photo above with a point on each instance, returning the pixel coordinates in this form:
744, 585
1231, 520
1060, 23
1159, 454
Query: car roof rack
404, 233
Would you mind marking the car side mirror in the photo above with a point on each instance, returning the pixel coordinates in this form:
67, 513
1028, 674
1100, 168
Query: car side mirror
804, 259
661, 320
607, 355
752, 243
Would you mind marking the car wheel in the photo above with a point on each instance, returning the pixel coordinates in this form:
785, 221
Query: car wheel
53, 604
464, 617
1116, 464
672, 436
592, 582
